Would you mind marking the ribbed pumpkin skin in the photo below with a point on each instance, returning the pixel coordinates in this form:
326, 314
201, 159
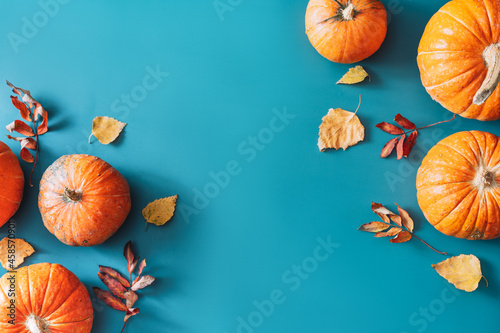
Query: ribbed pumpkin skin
11, 183
102, 209
450, 56
458, 185
346, 41
51, 292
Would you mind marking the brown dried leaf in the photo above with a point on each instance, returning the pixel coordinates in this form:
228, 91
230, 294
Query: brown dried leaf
143, 282
406, 219
390, 233
374, 226
402, 121
388, 147
389, 128
340, 129
402, 237
131, 297
128, 253
13, 251
396, 219
27, 156
40, 111
409, 143
399, 147
29, 143
106, 129
114, 274
463, 271
381, 211
160, 211
354, 75
109, 299
20, 127
113, 285
26, 94
23, 109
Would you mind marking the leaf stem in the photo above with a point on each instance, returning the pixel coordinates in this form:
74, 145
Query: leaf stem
439, 122
420, 239
35, 130
123, 328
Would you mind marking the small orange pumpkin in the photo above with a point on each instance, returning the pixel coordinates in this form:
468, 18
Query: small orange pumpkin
11, 183
459, 58
44, 298
346, 31
83, 200
458, 185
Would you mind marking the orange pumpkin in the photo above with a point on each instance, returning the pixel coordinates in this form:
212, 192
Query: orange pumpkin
459, 58
44, 298
11, 183
458, 185
346, 31
83, 200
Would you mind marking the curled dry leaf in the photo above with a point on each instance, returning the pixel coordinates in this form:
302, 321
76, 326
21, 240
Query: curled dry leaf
114, 274
106, 129
131, 297
382, 212
463, 271
401, 237
340, 129
374, 226
390, 233
128, 253
13, 251
354, 75
109, 299
143, 282
27, 156
23, 109
160, 211
130, 312
20, 127
113, 285
405, 219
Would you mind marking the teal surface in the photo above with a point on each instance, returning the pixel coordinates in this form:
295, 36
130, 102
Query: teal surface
223, 100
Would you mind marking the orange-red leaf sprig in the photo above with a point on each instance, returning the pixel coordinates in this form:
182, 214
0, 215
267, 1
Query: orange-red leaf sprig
32, 112
403, 142
399, 226
120, 287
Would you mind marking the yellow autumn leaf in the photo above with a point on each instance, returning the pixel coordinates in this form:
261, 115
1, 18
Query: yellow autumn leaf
13, 251
463, 271
160, 211
354, 75
340, 129
106, 129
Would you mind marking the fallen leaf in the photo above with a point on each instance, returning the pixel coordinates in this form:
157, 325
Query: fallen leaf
382, 212
113, 285
106, 129
29, 143
109, 299
390, 233
354, 75
389, 128
23, 109
128, 253
114, 274
40, 111
143, 282
399, 146
13, 251
160, 211
20, 127
340, 129
130, 312
389, 147
409, 143
402, 121
396, 219
131, 297
140, 269
405, 219
374, 226
463, 271
402, 237
27, 156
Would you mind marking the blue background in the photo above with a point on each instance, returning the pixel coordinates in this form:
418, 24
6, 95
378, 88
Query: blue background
220, 261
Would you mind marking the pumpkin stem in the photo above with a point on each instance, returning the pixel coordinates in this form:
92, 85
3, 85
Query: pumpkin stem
35, 324
484, 179
348, 12
72, 195
491, 56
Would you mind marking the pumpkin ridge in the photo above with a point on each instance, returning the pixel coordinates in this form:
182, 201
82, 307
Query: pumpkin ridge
476, 232
451, 210
9, 199
471, 163
73, 321
101, 177
490, 25
480, 158
433, 185
494, 203
42, 310
474, 193
47, 317
346, 37
464, 25
456, 78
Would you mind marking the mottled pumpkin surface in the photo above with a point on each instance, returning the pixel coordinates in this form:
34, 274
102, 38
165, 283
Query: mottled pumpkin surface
11, 183
458, 185
48, 295
346, 41
450, 56
83, 200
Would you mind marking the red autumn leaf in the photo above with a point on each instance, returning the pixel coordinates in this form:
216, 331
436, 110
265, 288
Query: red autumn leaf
29, 143
113, 285
26, 94
109, 299
399, 147
389, 128
20, 127
128, 253
389, 233
131, 297
143, 282
402, 237
40, 111
114, 274
406, 219
130, 312
23, 109
381, 211
402, 121
27, 156
409, 143
374, 226
141, 268
388, 147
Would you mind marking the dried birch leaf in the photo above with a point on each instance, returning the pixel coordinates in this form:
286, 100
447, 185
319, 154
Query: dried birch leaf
109, 299
106, 129
401, 237
21, 249
340, 129
354, 75
463, 271
160, 211
374, 226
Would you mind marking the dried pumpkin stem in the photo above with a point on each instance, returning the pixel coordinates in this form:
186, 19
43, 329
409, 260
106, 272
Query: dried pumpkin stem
348, 12
72, 195
420, 239
35, 324
491, 56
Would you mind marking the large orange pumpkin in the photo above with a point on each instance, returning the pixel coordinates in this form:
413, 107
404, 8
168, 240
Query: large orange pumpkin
346, 31
11, 183
44, 298
83, 200
459, 58
458, 185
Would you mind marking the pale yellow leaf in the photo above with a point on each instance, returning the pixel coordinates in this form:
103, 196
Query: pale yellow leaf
354, 75
160, 211
463, 271
106, 129
340, 129
13, 251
